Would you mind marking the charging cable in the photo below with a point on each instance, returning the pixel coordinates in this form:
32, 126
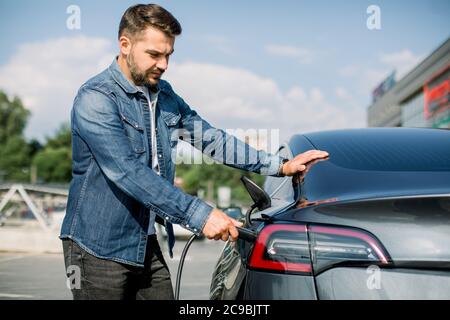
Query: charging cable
244, 234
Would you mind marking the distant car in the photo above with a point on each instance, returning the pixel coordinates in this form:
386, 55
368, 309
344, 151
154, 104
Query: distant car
178, 230
234, 212
370, 222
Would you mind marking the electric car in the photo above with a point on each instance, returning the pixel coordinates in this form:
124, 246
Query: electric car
372, 221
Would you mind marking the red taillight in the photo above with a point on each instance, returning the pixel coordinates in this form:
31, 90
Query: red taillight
304, 249
346, 241
282, 248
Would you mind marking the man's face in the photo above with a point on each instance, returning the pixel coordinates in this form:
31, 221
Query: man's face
148, 57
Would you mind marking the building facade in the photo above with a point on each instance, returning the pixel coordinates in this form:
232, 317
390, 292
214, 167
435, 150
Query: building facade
420, 99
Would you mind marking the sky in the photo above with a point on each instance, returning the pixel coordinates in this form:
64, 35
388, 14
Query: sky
293, 66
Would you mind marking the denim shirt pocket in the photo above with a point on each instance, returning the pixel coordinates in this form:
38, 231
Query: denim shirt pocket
172, 122
135, 132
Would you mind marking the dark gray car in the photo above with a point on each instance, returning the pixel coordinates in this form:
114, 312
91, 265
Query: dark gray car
370, 222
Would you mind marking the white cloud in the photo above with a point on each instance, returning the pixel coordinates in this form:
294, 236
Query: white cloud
46, 76
369, 77
343, 94
349, 71
302, 55
403, 61
236, 98
220, 43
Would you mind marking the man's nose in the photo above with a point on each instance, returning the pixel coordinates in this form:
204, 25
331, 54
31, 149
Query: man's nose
162, 64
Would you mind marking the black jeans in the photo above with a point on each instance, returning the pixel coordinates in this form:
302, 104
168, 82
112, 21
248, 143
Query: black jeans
91, 278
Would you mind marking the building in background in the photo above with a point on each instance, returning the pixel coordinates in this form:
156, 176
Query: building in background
420, 99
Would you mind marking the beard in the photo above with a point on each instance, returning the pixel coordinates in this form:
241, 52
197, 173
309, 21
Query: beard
142, 78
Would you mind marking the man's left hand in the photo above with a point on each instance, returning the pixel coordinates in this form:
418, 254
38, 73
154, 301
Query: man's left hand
298, 164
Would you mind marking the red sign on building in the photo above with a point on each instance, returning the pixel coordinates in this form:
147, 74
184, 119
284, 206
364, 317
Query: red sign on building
437, 93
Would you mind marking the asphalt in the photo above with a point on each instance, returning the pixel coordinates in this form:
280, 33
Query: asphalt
26, 276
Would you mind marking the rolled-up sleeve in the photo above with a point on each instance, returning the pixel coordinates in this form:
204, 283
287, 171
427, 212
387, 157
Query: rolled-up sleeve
96, 119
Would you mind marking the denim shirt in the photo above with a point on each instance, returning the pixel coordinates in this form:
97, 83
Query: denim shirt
113, 186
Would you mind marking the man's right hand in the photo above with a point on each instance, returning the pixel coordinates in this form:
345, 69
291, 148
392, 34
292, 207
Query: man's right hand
220, 226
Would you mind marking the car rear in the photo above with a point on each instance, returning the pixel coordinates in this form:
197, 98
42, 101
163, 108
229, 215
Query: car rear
371, 222
378, 249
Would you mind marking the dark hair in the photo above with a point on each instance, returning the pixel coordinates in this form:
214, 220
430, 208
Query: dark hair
138, 17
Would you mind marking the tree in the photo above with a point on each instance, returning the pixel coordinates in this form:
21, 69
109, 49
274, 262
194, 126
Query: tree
13, 117
15, 159
205, 176
54, 161
62, 138
14, 150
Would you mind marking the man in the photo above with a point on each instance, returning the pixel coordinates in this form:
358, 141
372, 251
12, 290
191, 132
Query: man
123, 124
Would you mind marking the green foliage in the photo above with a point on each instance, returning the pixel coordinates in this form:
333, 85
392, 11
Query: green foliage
53, 165
35, 147
62, 139
211, 176
54, 161
14, 151
15, 159
13, 117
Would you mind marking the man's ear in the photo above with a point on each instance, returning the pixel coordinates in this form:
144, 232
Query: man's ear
125, 45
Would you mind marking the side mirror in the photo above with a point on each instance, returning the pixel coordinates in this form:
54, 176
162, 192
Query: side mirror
260, 198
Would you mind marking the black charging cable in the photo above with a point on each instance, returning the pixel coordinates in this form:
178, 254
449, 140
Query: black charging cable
180, 266
244, 234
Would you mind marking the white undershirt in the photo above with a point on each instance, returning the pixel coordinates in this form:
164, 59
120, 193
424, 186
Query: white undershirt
152, 100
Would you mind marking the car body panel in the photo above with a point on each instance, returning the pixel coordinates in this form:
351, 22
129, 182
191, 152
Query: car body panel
383, 284
228, 274
278, 286
411, 230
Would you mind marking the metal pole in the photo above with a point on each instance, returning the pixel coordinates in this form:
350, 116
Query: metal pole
39, 216
7, 197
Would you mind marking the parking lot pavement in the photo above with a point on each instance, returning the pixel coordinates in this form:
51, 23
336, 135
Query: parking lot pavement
42, 276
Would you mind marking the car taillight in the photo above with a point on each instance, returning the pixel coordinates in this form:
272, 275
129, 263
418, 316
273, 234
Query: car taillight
331, 246
303, 249
282, 248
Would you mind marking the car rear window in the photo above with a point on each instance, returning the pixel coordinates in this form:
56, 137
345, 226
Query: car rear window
393, 149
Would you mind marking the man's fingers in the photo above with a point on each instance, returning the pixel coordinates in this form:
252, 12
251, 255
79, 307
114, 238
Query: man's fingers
219, 226
312, 155
234, 233
298, 164
225, 236
236, 223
